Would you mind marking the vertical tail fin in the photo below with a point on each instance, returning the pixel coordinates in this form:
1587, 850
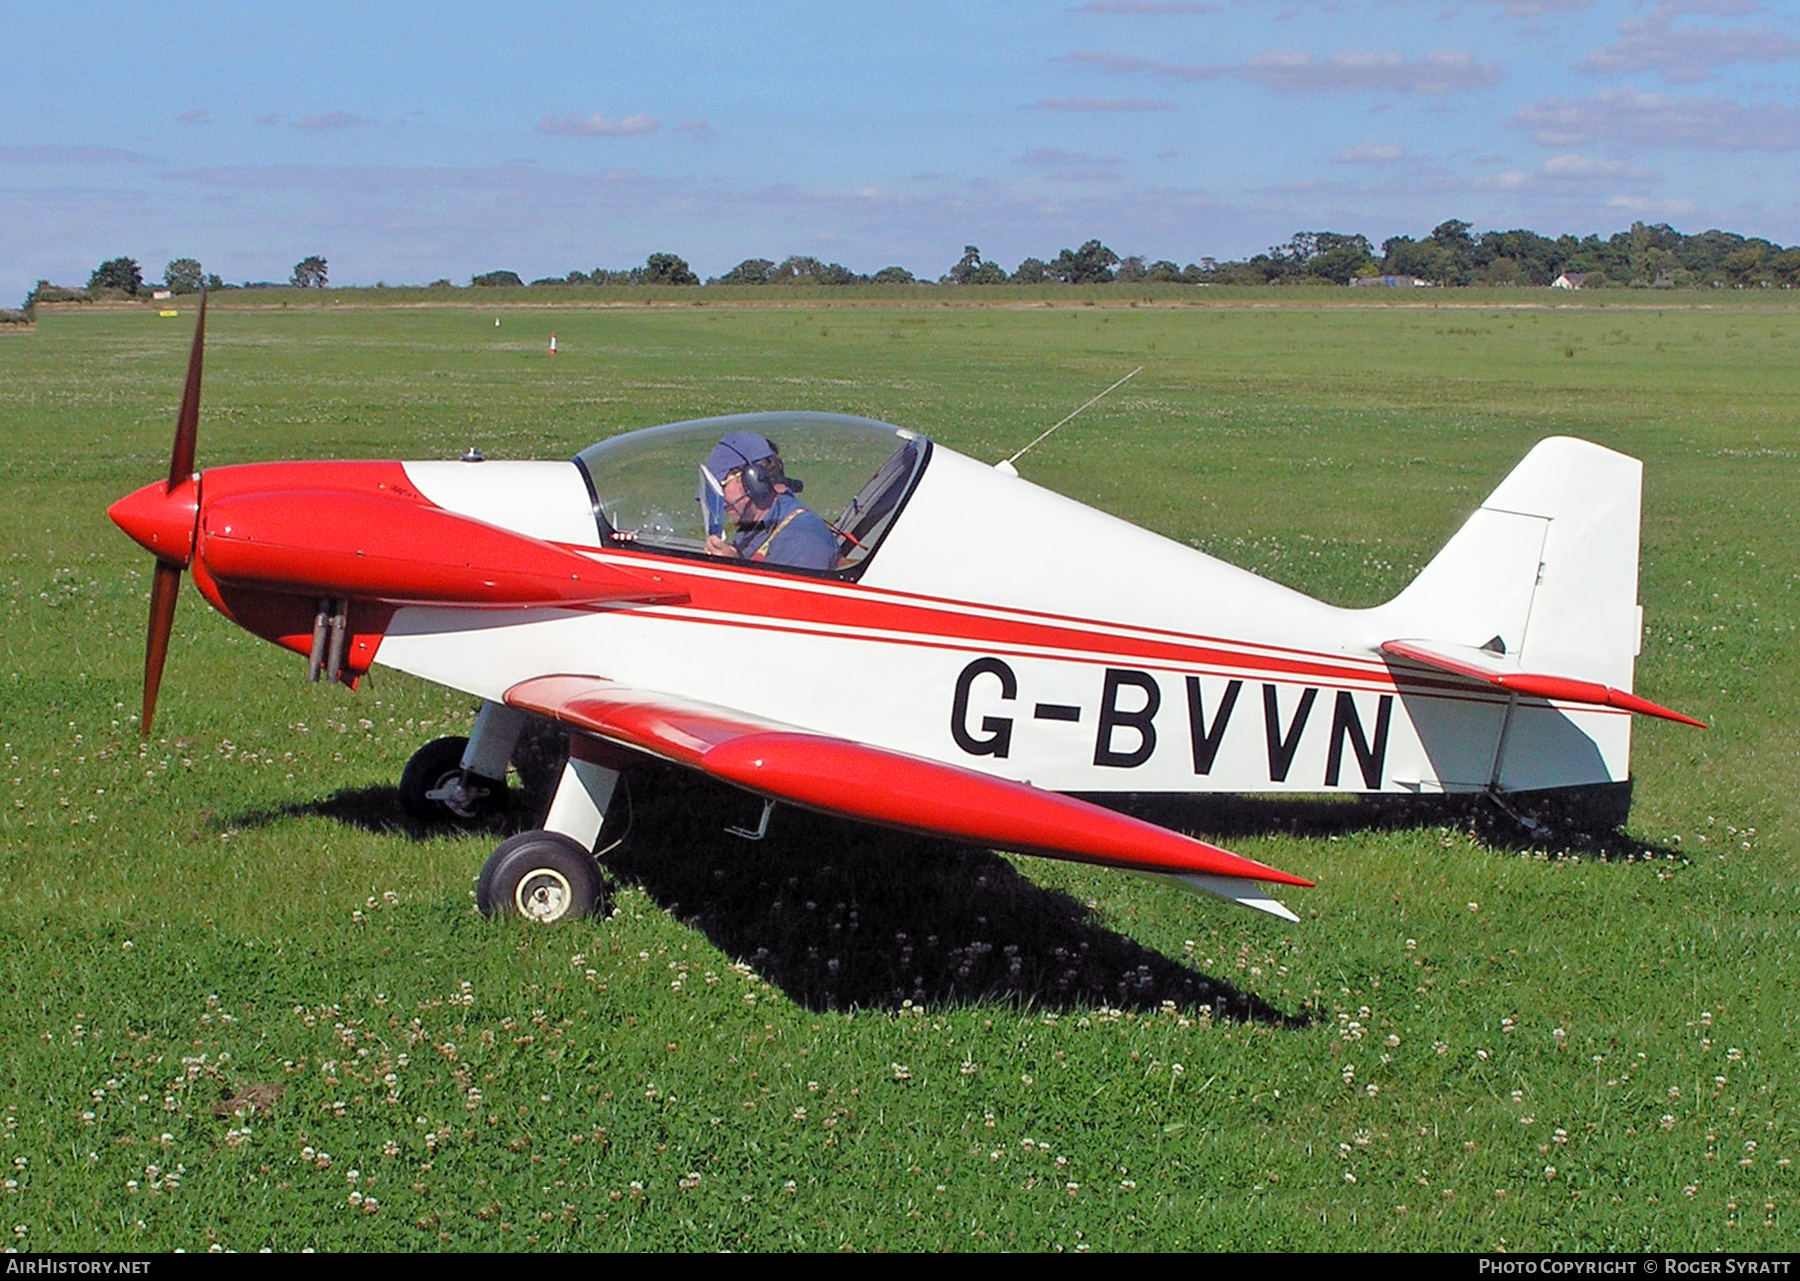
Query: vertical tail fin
1545, 572
1535, 595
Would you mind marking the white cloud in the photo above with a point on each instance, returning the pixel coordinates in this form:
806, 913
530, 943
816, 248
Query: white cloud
1072, 166
55, 155
1433, 74
332, 120
1537, 8
1641, 207
598, 126
368, 179
1628, 117
1511, 8
1687, 53
1575, 168
698, 130
1051, 157
1371, 153
1719, 8
1144, 8
1100, 104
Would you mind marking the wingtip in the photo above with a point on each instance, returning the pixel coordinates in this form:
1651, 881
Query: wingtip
1643, 706
1243, 893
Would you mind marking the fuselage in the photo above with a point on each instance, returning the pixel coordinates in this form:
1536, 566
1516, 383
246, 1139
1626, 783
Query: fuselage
1005, 628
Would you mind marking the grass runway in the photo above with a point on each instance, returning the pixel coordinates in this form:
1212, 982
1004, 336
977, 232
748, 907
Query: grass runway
248, 1007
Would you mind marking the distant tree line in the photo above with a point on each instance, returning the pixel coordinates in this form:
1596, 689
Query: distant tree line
1451, 254
1646, 256
671, 269
124, 278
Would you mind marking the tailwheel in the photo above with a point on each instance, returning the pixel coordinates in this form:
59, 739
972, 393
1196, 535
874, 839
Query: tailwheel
434, 787
541, 876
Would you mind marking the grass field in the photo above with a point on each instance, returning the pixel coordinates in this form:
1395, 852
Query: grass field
247, 1007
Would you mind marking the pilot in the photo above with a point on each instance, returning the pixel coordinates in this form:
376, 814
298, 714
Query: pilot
744, 474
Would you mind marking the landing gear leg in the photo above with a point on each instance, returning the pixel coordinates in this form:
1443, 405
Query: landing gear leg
491, 742
460, 780
551, 875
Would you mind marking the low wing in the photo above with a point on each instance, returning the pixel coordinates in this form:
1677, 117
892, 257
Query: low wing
854, 780
1503, 671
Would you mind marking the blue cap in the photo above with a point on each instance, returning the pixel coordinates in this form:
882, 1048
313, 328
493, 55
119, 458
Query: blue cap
738, 449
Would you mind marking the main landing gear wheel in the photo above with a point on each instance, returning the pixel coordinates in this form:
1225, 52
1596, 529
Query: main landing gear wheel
434, 789
540, 876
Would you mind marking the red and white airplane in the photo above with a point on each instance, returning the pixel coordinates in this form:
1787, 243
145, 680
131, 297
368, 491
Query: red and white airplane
974, 654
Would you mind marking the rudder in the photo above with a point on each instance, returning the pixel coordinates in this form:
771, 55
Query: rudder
1548, 565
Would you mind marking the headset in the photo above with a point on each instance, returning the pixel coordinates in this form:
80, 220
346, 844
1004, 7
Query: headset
759, 479
760, 476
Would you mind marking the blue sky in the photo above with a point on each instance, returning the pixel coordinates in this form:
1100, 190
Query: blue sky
409, 141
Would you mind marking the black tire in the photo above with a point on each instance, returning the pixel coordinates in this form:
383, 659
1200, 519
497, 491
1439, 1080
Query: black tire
432, 768
540, 876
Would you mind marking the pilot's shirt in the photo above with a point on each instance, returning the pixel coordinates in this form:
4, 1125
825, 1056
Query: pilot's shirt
790, 534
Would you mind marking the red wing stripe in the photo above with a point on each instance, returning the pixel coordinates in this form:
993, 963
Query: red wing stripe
874, 785
907, 792
1561, 689
671, 728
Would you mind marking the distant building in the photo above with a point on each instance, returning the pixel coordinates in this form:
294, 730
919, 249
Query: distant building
1390, 282
1574, 279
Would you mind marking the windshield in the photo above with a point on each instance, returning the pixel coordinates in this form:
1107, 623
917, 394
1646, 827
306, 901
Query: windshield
819, 499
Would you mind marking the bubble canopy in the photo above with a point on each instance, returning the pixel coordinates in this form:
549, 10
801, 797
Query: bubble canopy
855, 473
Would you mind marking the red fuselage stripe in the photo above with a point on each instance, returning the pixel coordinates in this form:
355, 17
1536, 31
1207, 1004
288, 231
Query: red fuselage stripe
742, 598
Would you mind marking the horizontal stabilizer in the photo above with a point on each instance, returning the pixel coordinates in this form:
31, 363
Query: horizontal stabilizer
874, 785
1503, 671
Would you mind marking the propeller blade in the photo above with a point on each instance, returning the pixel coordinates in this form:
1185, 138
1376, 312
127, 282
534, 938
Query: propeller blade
187, 425
165, 587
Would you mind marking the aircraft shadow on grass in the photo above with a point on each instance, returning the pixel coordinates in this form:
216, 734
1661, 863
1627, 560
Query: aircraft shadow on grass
842, 915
